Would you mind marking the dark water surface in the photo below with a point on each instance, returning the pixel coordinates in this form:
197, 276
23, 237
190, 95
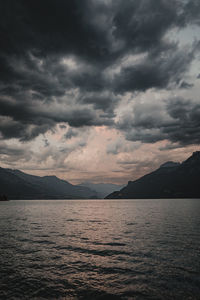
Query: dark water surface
100, 249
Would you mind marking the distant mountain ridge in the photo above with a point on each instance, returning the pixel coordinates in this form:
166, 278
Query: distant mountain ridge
19, 185
171, 180
102, 189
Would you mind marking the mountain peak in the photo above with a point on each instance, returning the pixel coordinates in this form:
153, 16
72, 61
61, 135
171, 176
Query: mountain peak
172, 180
196, 154
51, 176
18, 185
170, 164
195, 158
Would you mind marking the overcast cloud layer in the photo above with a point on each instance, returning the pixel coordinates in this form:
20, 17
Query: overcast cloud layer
68, 67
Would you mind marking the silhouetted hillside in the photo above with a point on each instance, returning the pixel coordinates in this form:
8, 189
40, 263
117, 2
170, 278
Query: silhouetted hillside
18, 185
102, 189
171, 180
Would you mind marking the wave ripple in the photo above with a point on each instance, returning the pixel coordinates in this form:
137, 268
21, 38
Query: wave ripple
100, 249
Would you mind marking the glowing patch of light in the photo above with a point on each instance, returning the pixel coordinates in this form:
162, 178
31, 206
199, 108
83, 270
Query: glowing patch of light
70, 63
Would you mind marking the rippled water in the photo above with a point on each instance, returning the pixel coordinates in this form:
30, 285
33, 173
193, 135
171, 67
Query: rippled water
100, 249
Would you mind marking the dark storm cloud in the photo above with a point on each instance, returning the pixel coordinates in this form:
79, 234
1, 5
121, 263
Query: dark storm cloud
6, 150
54, 27
14, 153
28, 121
104, 101
187, 117
154, 71
191, 12
55, 59
186, 85
178, 121
142, 24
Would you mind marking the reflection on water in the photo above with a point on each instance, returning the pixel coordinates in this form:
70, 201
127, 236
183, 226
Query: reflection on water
100, 249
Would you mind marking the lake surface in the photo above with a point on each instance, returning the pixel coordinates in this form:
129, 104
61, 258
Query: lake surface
100, 249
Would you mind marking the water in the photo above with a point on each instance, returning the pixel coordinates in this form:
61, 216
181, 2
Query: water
100, 249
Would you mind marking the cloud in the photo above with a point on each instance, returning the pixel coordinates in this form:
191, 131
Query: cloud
26, 121
175, 120
71, 133
118, 146
187, 122
46, 142
14, 153
11, 150
190, 13
186, 85
62, 62
154, 71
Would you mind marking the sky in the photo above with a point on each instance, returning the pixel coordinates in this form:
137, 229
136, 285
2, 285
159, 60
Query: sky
98, 90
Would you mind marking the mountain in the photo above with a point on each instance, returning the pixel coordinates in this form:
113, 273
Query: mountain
18, 185
171, 180
102, 189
